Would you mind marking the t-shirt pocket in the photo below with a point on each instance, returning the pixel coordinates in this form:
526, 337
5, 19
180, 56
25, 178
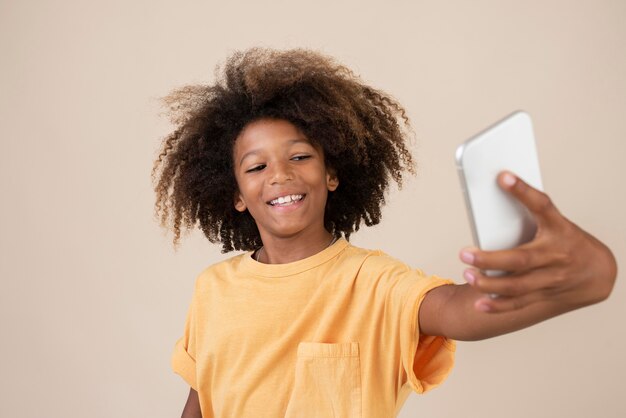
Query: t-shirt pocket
327, 381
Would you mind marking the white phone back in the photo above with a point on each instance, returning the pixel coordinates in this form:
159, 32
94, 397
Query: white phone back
498, 220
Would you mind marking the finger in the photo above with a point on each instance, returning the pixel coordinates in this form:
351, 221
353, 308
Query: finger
537, 202
512, 286
520, 259
507, 304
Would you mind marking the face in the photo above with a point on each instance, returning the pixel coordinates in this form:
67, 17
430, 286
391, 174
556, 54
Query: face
282, 179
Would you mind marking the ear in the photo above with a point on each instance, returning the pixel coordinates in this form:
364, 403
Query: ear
239, 204
332, 182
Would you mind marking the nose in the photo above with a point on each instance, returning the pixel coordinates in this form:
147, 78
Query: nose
280, 173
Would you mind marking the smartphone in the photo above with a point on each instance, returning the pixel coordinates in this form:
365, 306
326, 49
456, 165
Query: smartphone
498, 220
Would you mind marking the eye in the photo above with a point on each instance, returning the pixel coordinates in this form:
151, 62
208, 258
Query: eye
301, 157
255, 168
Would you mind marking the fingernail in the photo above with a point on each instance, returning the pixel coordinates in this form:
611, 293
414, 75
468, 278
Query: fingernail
469, 276
467, 257
508, 179
483, 307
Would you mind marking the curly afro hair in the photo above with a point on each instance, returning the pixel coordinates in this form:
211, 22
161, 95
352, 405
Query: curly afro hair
361, 130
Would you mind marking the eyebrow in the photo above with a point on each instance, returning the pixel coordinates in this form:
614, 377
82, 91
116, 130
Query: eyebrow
257, 151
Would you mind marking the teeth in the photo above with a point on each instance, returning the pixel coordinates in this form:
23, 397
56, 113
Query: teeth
283, 200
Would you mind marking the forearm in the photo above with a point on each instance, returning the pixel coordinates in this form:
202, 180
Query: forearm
450, 311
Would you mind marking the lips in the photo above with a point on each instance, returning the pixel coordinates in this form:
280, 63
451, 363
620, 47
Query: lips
286, 200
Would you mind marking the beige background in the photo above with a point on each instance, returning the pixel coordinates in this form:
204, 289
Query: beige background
92, 294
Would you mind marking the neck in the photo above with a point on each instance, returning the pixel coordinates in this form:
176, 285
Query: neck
290, 249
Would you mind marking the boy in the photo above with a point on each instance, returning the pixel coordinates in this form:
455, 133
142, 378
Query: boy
284, 158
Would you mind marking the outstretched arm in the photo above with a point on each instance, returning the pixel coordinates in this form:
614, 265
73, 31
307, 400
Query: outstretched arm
563, 268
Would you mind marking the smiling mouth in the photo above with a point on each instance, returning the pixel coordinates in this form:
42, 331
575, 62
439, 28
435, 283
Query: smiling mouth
287, 200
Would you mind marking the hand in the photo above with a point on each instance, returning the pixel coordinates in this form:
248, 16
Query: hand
563, 265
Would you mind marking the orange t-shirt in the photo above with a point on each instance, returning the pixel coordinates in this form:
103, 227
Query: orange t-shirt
334, 334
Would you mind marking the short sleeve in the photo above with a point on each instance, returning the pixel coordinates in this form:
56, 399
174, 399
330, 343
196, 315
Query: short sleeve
184, 355
426, 360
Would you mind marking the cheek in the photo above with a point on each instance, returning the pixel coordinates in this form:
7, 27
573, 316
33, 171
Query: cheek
250, 190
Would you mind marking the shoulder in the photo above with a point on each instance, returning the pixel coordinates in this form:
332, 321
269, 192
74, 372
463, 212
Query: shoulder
383, 275
377, 261
222, 268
